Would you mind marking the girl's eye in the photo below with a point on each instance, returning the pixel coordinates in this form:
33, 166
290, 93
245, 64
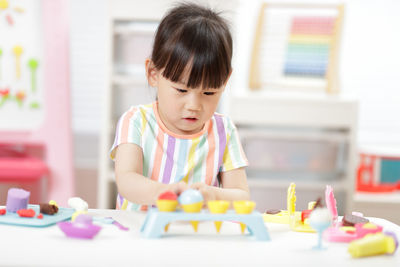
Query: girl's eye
209, 93
181, 90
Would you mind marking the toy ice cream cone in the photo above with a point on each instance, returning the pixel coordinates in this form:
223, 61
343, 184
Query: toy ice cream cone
243, 207
191, 201
218, 207
167, 202
193, 208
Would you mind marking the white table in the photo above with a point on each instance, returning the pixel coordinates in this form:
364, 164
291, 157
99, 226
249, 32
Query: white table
26, 246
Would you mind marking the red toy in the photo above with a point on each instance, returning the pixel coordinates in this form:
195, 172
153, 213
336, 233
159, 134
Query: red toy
26, 213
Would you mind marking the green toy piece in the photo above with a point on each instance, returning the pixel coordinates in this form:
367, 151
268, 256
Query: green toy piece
33, 65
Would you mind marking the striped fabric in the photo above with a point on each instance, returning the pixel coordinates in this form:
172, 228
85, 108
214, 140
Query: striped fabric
170, 158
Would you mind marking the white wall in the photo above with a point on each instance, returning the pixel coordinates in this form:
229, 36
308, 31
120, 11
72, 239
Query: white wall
369, 68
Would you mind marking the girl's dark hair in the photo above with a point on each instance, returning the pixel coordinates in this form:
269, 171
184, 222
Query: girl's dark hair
197, 37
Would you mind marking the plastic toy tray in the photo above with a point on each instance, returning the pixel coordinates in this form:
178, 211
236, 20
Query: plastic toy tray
14, 219
153, 226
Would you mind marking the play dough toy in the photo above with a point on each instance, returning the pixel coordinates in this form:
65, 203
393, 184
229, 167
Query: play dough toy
48, 208
218, 207
17, 199
83, 227
167, 202
78, 204
320, 219
373, 244
191, 201
26, 213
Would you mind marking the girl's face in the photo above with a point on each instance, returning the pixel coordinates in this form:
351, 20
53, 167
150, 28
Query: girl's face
183, 110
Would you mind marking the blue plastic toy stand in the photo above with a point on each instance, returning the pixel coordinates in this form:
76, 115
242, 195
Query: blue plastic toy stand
14, 219
153, 226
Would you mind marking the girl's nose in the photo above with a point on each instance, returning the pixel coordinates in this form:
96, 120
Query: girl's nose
193, 102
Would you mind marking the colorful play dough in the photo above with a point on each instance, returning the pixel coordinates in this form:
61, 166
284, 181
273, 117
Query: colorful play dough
190, 196
78, 204
167, 202
82, 227
17, 199
168, 195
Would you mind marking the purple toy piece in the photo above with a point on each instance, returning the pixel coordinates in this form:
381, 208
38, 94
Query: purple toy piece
17, 199
393, 235
79, 230
84, 219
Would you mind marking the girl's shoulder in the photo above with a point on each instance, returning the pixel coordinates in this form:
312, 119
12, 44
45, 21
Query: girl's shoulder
139, 112
224, 120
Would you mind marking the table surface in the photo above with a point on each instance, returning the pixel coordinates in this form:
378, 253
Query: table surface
29, 246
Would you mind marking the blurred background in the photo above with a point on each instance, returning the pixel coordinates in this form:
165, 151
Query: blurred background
315, 94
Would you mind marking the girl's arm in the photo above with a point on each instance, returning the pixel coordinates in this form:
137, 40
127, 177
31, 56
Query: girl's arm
131, 184
234, 187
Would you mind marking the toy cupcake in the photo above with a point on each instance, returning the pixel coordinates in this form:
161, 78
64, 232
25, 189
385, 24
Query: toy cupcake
191, 201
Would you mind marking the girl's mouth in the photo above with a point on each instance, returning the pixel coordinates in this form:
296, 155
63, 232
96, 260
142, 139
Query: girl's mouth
190, 119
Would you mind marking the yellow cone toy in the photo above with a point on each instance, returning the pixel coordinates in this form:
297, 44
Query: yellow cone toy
167, 202
218, 207
243, 207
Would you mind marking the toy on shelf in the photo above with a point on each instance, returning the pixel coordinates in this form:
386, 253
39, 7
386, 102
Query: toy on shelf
372, 165
320, 219
374, 244
18, 50
158, 218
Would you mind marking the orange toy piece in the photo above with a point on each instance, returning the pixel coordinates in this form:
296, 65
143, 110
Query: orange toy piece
26, 213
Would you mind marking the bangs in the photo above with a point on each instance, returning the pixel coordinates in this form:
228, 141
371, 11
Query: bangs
198, 53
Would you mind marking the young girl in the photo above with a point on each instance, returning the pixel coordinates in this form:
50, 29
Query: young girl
179, 142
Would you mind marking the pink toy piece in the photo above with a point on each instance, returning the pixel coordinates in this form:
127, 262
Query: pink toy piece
335, 234
331, 203
17, 199
79, 230
362, 229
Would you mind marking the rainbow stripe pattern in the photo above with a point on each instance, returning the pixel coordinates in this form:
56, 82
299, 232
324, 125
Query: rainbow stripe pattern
308, 46
170, 158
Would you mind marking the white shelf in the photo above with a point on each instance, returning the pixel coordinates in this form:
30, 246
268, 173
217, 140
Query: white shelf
295, 109
381, 198
337, 137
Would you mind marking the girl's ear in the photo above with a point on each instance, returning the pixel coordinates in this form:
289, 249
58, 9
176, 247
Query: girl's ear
151, 73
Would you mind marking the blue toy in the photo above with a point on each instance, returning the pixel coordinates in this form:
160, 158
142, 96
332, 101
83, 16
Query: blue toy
156, 221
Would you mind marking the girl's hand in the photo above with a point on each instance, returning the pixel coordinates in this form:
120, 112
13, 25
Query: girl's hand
208, 192
177, 188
